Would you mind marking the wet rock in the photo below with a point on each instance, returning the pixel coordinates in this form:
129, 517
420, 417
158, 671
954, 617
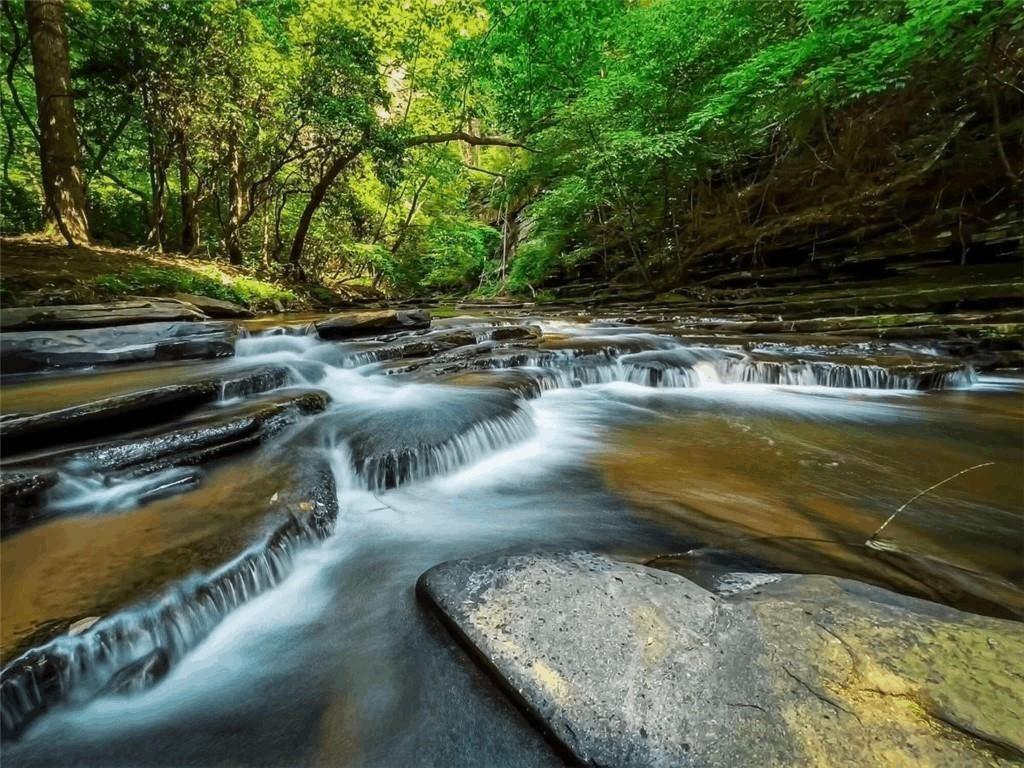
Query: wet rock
140, 675
414, 439
884, 325
525, 383
352, 324
165, 459
493, 304
628, 666
142, 408
611, 345
225, 432
145, 641
423, 345
510, 357
515, 332
21, 495
214, 307
32, 351
129, 312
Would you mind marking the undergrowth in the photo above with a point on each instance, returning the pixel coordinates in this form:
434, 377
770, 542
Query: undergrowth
204, 281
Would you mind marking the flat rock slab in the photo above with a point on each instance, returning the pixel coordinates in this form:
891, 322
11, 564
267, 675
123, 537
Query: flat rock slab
130, 312
33, 351
625, 665
113, 414
159, 604
353, 324
214, 307
413, 438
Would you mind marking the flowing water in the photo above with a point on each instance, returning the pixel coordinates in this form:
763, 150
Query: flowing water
629, 441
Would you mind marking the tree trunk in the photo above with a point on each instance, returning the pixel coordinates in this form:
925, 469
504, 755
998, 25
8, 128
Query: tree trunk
189, 211
63, 181
316, 197
158, 195
157, 177
236, 195
278, 240
265, 250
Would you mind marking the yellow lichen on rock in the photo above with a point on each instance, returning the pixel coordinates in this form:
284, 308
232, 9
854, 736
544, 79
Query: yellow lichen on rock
904, 689
652, 633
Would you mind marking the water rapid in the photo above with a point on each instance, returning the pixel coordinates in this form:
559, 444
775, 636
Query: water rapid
308, 647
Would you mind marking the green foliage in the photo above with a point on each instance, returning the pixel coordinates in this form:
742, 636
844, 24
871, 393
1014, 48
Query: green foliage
535, 262
456, 253
242, 108
678, 91
150, 280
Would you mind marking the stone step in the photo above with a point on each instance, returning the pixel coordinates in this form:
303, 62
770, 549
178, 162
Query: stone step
37, 351
111, 415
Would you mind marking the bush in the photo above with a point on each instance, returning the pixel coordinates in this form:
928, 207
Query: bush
456, 253
210, 282
535, 261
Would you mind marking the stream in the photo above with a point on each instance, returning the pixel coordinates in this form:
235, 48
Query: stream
644, 441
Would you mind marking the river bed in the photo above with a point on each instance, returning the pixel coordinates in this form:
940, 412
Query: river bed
783, 458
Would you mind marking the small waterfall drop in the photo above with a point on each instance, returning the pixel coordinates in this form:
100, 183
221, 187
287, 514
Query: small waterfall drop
77, 668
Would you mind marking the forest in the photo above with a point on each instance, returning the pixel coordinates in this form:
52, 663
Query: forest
508, 147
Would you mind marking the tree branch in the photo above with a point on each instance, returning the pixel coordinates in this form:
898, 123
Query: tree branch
468, 138
104, 150
121, 183
12, 64
478, 169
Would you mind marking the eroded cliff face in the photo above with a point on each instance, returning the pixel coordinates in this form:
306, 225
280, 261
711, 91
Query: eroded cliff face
904, 182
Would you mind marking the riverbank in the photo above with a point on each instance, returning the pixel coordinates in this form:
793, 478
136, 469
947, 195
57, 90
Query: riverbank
40, 272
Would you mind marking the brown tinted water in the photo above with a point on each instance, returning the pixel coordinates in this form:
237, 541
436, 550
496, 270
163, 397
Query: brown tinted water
806, 495
54, 391
73, 567
338, 665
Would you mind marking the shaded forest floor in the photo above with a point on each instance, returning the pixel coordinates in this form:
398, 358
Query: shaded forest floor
35, 270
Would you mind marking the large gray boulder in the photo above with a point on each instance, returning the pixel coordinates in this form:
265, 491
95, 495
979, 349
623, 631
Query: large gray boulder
33, 351
625, 665
353, 324
127, 312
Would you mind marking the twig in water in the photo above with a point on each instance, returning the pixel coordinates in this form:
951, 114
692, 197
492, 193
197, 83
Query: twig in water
871, 540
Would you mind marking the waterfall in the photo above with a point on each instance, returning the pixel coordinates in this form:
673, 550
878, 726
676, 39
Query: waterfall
693, 367
78, 668
401, 465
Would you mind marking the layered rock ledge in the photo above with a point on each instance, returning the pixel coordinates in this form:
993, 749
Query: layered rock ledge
625, 665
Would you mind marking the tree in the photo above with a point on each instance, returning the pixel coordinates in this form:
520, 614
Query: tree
380, 141
63, 182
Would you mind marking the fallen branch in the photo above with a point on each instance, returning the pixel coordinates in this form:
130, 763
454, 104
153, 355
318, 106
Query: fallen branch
871, 542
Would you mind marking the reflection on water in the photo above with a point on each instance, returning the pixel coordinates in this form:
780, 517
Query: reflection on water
337, 666
804, 494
